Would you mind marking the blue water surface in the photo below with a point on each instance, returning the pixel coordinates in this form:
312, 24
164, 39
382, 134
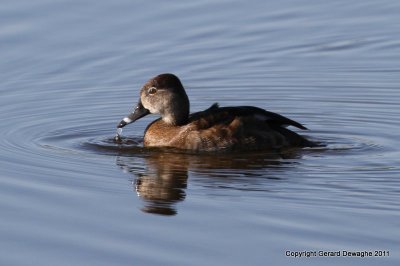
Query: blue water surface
70, 70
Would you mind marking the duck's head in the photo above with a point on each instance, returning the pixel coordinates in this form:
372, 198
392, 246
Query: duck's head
164, 95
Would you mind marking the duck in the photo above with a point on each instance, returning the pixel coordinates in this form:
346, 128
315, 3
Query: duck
232, 128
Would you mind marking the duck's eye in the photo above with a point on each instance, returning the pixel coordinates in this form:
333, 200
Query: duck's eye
152, 90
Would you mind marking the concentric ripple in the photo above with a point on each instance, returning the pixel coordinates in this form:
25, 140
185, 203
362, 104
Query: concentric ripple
80, 132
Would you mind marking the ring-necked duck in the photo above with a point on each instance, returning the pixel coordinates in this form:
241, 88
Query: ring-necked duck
214, 129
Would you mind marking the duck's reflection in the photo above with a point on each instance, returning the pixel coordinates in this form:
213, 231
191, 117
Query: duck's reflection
162, 180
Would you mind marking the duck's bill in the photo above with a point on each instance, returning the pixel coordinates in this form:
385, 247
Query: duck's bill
138, 113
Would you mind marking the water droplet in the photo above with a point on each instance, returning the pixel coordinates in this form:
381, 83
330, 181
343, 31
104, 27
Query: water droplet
118, 135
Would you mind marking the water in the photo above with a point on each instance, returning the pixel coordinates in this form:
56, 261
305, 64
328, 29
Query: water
117, 137
70, 195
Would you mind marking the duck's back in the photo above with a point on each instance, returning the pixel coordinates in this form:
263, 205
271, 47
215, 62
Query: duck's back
227, 128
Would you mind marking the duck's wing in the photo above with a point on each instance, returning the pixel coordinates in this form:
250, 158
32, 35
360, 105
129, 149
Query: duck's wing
264, 115
246, 111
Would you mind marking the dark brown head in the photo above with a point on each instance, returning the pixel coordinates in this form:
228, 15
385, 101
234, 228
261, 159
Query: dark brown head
164, 95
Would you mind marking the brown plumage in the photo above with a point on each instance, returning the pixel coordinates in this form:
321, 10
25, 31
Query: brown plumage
215, 129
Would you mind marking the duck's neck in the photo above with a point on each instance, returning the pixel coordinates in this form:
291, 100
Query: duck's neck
177, 115
175, 120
